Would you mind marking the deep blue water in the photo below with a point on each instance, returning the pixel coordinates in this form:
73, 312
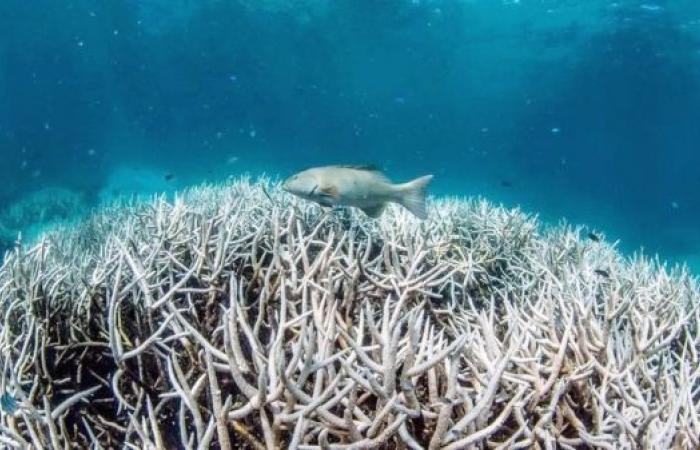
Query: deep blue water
586, 110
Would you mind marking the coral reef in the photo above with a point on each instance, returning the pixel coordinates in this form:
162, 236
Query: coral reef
134, 182
37, 211
236, 317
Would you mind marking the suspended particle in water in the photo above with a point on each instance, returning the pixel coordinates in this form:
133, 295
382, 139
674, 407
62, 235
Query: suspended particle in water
555, 130
675, 205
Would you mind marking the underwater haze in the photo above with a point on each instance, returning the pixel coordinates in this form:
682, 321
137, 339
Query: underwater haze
580, 110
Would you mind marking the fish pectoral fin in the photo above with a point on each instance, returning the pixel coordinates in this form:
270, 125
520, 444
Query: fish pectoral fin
374, 211
329, 191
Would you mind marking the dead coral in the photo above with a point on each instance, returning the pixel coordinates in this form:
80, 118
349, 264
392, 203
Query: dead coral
230, 319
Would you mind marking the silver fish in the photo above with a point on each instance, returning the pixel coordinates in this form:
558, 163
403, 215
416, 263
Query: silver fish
363, 187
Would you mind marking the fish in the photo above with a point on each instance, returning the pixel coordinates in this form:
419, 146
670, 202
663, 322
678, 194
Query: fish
602, 273
594, 237
361, 186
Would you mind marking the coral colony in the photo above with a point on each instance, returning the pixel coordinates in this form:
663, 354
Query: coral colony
237, 316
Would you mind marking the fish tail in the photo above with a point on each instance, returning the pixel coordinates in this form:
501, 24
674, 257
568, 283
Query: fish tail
412, 196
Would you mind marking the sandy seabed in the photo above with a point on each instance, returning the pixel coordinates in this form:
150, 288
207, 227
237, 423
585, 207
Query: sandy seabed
237, 316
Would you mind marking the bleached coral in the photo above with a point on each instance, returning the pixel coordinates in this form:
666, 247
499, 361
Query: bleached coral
237, 317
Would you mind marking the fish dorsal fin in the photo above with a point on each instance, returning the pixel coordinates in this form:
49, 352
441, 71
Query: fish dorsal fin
372, 169
363, 167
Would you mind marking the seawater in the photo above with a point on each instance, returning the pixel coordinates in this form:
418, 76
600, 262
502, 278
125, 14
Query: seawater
578, 110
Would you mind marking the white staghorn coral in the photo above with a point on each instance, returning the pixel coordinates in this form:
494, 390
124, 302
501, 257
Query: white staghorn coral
236, 317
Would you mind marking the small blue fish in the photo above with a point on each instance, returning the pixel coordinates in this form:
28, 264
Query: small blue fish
8, 403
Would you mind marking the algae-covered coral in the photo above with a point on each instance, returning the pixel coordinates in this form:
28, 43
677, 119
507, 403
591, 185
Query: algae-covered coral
235, 317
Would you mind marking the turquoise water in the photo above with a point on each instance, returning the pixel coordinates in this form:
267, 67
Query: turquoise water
585, 111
